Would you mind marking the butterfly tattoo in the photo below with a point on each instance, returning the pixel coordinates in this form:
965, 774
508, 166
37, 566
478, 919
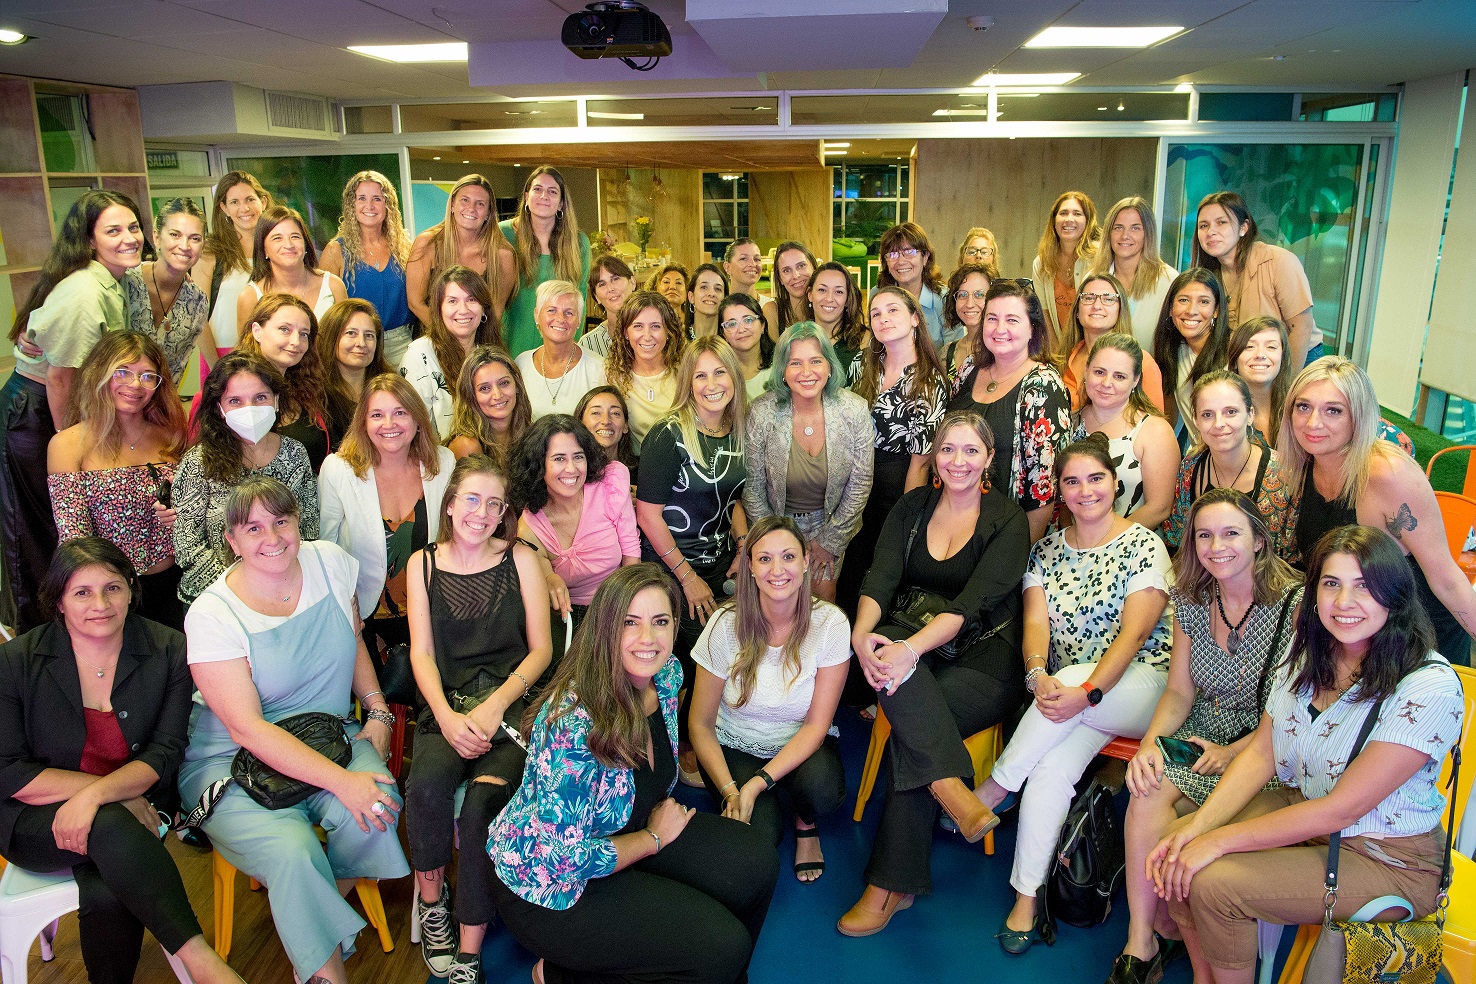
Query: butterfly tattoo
1401, 521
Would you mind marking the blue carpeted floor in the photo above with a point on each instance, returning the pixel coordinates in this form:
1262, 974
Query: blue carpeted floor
946, 936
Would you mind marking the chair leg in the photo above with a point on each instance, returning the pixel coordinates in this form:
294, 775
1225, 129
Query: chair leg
880, 729
1268, 939
224, 877
48, 937
373, 904
1301, 952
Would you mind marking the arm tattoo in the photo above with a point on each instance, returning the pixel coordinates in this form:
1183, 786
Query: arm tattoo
1401, 521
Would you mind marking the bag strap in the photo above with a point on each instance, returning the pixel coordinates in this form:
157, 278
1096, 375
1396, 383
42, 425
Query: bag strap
1271, 660
428, 563
1334, 840
912, 535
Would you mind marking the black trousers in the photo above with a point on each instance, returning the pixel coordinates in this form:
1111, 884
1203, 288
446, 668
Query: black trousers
813, 790
690, 629
126, 882
160, 602
27, 526
690, 913
435, 772
930, 715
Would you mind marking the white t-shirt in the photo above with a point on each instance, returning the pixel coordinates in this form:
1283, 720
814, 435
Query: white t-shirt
546, 396
777, 706
214, 623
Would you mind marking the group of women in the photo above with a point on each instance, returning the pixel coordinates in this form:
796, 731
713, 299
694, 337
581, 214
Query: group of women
650, 551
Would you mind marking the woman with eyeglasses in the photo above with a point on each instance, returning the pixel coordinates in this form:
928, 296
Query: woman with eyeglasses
610, 283
469, 236
110, 471
810, 451
547, 245
742, 324
1130, 253
370, 253
709, 287
1100, 307
1021, 396
1066, 251
963, 308
163, 302
908, 263
979, 247
793, 265
833, 301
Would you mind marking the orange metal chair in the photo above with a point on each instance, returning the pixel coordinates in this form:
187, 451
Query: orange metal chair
1468, 488
1458, 514
984, 748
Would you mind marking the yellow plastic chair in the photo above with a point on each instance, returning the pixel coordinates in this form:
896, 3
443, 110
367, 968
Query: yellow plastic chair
984, 748
225, 904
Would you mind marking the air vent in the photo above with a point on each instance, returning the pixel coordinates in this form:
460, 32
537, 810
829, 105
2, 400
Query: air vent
289, 112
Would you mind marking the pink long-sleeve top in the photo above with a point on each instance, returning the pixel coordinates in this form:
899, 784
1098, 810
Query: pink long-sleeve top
606, 533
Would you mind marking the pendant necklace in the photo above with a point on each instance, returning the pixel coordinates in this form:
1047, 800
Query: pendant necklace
102, 671
1232, 641
553, 391
166, 308
1249, 452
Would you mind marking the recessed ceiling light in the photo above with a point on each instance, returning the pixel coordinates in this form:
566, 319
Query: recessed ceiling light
450, 51
960, 112
833, 143
1101, 37
466, 162
8, 36
994, 79
592, 114
835, 153
435, 158
1101, 109
522, 112
517, 165
1018, 95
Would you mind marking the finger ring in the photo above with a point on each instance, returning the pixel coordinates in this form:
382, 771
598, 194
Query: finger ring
377, 808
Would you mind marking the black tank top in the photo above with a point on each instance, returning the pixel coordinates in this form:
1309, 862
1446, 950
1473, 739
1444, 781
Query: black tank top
651, 781
478, 623
1317, 516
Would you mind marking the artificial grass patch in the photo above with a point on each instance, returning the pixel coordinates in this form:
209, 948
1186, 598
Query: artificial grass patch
1450, 471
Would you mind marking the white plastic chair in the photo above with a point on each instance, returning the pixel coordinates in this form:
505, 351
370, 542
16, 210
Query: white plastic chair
31, 904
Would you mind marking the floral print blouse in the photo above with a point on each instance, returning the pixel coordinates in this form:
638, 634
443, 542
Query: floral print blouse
1278, 505
554, 834
116, 504
904, 425
182, 325
1042, 428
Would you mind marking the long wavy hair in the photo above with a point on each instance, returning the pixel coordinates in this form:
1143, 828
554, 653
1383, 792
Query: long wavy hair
70, 251
92, 396
929, 378
261, 267
1138, 404
684, 412
851, 331
467, 419
746, 610
592, 674
901, 236
446, 253
338, 398
624, 451
1072, 331
1404, 642
223, 243
304, 380
358, 449
563, 242
789, 311
448, 350
528, 466
1281, 385
1151, 268
393, 226
620, 363
478, 464
1049, 248
1239, 213
1193, 581
1039, 333
1166, 337
1356, 460
220, 448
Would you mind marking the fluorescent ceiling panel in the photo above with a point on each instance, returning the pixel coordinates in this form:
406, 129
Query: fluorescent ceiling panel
1101, 37
449, 51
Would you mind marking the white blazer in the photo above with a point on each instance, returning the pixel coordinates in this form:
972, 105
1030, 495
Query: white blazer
351, 518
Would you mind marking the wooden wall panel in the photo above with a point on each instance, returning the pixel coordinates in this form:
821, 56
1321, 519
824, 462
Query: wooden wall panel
673, 199
792, 205
1008, 186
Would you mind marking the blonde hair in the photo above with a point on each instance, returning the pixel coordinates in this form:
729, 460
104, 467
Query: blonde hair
979, 232
446, 254
1356, 461
1151, 268
359, 451
551, 290
393, 226
92, 398
563, 242
1050, 244
735, 414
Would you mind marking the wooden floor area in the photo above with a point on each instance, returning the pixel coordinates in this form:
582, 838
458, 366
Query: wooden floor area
256, 954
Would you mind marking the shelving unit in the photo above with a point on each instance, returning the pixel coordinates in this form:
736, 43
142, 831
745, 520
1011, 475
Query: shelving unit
28, 183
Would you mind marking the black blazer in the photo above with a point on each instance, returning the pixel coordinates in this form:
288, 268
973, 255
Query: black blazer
41, 721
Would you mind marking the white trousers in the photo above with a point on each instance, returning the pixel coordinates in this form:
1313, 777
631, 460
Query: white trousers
1047, 758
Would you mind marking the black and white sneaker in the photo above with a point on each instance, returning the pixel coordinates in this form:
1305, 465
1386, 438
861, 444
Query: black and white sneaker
466, 968
437, 939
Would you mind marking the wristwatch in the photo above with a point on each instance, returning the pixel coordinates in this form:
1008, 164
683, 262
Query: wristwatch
1094, 694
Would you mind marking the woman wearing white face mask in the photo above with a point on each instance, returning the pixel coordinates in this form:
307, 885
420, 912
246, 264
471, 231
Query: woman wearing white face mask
237, 419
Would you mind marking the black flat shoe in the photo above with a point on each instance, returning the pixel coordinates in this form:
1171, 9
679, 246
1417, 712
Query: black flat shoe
1128, 969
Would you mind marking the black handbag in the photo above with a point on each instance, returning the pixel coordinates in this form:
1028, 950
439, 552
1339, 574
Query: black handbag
915, 607
1090, 864
318, 730
396, 677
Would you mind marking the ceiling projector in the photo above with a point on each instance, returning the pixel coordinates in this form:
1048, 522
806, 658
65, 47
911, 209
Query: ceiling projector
620, 29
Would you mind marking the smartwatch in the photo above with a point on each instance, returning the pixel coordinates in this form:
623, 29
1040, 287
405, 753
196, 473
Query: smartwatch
1094, 694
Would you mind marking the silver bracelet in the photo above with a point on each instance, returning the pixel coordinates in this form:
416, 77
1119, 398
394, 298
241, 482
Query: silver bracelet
654, 838
1030, 682
373, 693
383, 716
520, 676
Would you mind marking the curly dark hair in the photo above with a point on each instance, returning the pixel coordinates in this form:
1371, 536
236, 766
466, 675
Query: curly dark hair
526, 469
220, 448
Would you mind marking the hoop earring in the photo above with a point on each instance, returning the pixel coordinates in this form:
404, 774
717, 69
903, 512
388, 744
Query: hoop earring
984, 484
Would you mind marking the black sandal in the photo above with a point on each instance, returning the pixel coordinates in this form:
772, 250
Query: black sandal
800, 867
